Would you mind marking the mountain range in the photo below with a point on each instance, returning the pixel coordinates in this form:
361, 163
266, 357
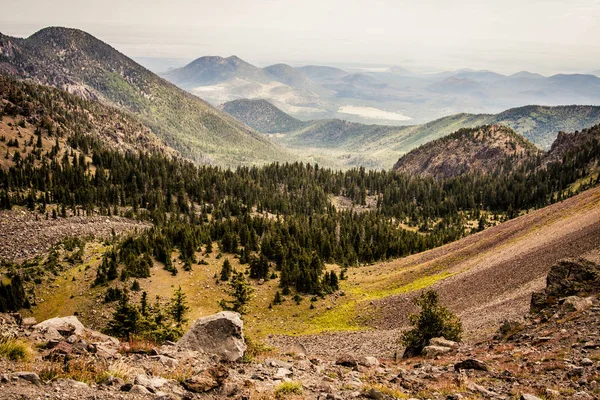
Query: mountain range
344, 144
392, 96
77, 62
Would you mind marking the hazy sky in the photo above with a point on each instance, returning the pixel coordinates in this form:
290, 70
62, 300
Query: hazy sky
546, 36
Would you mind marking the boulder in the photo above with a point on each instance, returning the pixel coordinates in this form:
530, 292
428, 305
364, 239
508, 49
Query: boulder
28, 376
207, 380
433, 351
347, 360
576, 303
154, 382
568, 277
368, 361
525, 396
139, 390
282, 373
443, 342
220, 334
471, 363
65, 326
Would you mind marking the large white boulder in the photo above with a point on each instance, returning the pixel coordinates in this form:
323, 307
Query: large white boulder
66, 326
220, 334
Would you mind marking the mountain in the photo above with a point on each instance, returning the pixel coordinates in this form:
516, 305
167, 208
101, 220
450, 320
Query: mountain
287, 75
31, 110
456, 85
587, 140
212, 70
320, 73
262, 116
220, 80
75, 61
484, 149
343, 144
541, 124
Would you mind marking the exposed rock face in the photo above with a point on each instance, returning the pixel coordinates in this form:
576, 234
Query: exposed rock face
220, 334
484, 149
567, 278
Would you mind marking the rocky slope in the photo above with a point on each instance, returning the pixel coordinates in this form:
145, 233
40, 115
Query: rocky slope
552, 353
486, 149
77, 62
27, 109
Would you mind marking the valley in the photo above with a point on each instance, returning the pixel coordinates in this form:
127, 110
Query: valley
279, 232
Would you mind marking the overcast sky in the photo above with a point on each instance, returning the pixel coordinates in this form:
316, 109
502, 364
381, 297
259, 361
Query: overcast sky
546, 36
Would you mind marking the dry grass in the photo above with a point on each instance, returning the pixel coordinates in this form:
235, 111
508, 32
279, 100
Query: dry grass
16, 350
82, 370
288, 389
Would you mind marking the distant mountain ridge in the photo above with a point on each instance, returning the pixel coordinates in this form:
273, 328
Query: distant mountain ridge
492, 149
346, 144
322, 92
76, 61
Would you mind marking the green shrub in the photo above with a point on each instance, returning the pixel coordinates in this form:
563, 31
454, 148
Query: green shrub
288, 388
434, 320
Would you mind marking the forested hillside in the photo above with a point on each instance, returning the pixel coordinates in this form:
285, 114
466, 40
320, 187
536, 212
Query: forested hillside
279, 219
77, 62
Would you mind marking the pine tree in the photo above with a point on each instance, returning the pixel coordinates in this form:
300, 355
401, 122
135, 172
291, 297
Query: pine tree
277, 299
226, 270
178, 307
144, 304
241, 291
125, 320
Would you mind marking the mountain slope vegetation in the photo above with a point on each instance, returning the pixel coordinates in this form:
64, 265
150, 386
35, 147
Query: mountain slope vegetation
262, 116
344, 144
484, 149
77, 62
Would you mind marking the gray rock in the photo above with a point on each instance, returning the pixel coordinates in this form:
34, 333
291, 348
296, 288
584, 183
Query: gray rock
575, 303
471, 363
368, 361
374, 394
72, 383
525, 396
220, 334
152, 382
282, 373
587, 362
432, 351
29, 321
139, 389
66, 326
27, 376
166, 360
443, 342
278, 363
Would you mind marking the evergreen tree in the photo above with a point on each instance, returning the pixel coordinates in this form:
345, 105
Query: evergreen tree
240, 291
178, 307
125, 320
226, 270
